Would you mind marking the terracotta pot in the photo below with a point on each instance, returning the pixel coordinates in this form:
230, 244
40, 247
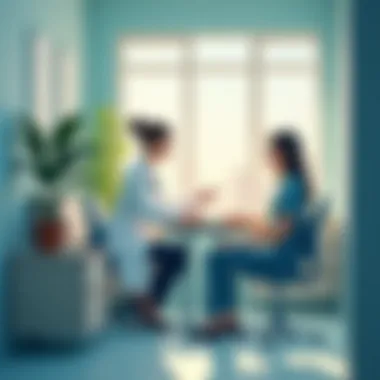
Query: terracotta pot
46, 227
49, 235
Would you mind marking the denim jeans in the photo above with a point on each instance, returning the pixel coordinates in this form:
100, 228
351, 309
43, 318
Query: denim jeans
225, 265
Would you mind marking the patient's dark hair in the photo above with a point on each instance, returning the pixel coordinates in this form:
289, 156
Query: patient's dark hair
289, 144
149, 132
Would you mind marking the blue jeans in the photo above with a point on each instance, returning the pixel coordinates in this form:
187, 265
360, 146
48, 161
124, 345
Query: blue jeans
224, 266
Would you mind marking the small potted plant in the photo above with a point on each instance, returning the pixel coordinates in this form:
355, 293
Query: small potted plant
51, 161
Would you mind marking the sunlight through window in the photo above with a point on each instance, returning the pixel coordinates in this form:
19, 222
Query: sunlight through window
223, 95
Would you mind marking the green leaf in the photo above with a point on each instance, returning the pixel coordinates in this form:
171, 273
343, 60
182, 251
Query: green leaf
64, 163
65, 133
42, 170
33, 138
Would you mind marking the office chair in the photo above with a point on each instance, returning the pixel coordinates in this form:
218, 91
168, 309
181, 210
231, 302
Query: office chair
311, 227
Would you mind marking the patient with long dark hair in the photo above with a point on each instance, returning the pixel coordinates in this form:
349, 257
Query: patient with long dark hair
276, 237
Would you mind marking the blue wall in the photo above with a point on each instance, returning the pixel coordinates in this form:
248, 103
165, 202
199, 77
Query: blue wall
62, 22
107, 21
365, 279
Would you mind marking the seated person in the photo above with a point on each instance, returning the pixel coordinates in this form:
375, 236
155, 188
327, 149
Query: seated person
148, 270
274, 254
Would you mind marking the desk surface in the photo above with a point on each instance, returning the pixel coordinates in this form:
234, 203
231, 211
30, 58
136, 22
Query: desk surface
213, 232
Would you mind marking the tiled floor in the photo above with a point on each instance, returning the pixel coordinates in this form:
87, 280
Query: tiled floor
124, 353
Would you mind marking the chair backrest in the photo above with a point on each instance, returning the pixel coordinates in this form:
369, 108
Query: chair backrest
311, 238
311, 228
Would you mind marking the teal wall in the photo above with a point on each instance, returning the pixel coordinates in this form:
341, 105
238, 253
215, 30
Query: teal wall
365, 201
106, 21
341, 130
62, 22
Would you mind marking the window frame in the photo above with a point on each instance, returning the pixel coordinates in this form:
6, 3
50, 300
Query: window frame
255, 68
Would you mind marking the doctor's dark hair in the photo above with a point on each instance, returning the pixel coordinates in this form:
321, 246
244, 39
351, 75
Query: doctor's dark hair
149, 132
288, 143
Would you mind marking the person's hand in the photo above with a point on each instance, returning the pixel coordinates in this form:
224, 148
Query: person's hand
151, 231
190, 219
205, 196
237, 220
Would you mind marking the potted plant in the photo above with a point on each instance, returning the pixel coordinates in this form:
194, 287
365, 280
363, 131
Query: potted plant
51, 161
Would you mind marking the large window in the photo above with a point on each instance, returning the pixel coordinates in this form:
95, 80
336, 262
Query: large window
224, 95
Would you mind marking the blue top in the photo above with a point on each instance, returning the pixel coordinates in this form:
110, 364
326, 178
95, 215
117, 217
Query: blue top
290, 203
290, 199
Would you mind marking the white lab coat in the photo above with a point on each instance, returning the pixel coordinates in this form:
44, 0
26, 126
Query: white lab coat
139, 203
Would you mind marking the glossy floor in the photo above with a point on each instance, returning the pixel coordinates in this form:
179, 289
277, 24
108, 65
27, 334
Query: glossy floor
127, 353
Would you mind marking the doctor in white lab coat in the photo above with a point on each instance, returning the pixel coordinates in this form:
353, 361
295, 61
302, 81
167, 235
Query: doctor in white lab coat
148, 270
